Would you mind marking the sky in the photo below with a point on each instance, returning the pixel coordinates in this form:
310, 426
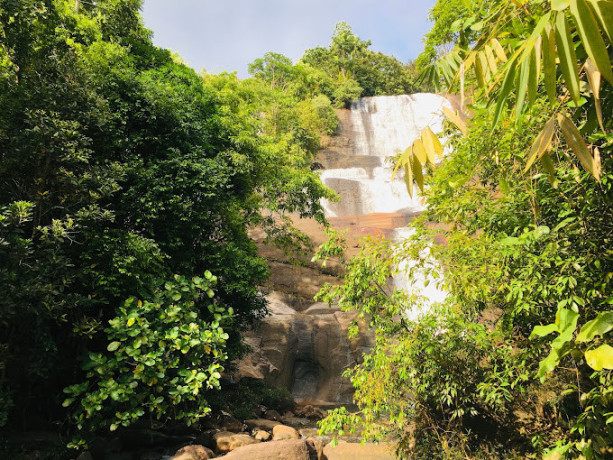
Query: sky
227, 35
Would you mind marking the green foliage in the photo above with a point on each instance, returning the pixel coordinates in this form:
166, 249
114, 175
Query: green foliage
163, 352
124, 166
357, 71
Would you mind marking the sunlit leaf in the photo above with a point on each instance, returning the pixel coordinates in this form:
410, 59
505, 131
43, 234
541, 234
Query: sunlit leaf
431, 141
113, 346
408, 177
603, 9
600, 358
593, 78
456, 120
577, 144
419, 152
566, 54
559, 5
600, 325
404, 158
491, 60
522, 83
589, 32
499, 50
541, 331
542, 143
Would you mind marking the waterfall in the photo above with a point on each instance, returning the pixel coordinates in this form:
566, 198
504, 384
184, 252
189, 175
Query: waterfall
378, 128
357, 167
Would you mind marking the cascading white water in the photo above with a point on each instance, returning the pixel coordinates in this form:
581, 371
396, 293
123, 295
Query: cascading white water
378, 128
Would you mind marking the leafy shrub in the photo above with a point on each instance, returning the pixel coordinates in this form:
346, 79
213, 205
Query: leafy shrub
163, 352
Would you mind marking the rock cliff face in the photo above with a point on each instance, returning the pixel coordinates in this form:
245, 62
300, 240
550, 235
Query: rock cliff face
304, 345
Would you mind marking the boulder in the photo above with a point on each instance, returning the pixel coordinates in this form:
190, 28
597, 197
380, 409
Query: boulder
227, 442
226, 422
353, 451
261, 435
283, 432
193, 452
261, 424
272, 415
311, 412
293, 449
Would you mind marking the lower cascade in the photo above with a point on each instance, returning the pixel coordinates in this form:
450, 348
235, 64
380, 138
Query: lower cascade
302, 345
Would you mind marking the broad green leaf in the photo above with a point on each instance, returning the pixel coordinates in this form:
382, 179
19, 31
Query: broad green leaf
113, 346
542, 143
67, 402
456, 120
131, 321
603, 10
507, 85
549, 62
593, 78
577, 144
567, 56
566, 319
591, 38
541, 331
419, 152
600, 358
559, 5
417, 172
600, 325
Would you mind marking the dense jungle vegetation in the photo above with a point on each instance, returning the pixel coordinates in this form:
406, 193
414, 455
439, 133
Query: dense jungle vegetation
129, 185
517, 362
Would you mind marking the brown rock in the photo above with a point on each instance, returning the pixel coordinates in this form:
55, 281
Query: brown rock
261, 424
283, 432
354, 451
272, 415
311, 412
226, 442
261, 435
317, 446
195, 452
294, 449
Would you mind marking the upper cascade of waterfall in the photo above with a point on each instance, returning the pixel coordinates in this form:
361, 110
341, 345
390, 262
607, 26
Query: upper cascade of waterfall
374, 129
386, 125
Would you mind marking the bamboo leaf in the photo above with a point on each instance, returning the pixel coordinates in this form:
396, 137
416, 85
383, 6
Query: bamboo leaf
603, 9
600, 358
419, 152
591, 38
559, 5
417, 172
522, 84
577, 144
408, 177
428, 147
542, 143
549, 62
507, 85
533, 73
491, 60
431, 141
499, 50
568, 59
593, 78
456, 120
548, 166
403, 160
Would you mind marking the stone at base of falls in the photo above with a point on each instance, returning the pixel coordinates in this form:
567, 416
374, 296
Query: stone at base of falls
293, 449
194, 452
282, 432
355, 451
226, 441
